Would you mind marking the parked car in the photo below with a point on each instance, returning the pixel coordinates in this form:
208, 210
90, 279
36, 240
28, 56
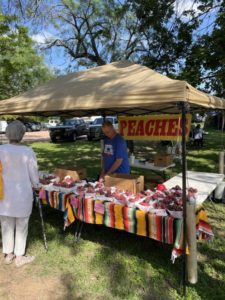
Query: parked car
3, 125
53, 122
89, 120
32, 126
68, 130
95, 129
44, 126
88, 123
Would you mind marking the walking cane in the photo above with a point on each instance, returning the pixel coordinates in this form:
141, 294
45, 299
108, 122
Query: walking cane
42, 225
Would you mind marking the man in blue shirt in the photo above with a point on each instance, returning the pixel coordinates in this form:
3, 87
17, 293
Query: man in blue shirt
115, 156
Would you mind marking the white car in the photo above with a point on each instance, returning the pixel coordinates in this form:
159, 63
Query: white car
3, 125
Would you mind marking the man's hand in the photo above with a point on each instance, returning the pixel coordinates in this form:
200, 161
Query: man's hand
102, 175
115, 165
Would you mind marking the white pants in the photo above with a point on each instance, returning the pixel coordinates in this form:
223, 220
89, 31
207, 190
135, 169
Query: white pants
14, 234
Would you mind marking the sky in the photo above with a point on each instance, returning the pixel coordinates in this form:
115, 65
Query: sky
55, 57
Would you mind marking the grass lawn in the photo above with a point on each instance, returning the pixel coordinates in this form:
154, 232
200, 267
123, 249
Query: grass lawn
111, 264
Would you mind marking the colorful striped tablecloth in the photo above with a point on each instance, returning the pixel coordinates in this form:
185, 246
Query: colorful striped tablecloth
163, 229
60, 201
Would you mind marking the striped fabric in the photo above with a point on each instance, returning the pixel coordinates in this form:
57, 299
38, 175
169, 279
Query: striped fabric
178, 244
129, 219
203, 229
99, 217
161, 228
164, 229
125, 218
60, 201
203, 232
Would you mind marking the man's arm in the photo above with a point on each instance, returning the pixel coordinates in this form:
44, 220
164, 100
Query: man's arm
113, 168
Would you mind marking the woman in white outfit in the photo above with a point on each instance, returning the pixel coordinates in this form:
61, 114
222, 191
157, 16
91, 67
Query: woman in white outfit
19, 174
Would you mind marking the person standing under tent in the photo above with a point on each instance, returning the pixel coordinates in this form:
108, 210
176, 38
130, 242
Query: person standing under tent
19, 173
198, 136
115, 154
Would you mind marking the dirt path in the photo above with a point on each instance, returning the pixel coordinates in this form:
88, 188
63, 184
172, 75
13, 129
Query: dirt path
25, 284
30, 136
37, 136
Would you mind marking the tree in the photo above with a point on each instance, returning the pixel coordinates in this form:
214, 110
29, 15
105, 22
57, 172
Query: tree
160, 34
20, 66
167, 33
206, 60
90, 32
95, 32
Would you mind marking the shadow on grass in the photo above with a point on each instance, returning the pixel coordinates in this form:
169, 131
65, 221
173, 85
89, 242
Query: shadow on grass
80, 154
116, 255
211, 271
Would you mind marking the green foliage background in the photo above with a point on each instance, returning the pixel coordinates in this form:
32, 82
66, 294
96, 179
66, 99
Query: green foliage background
21, 68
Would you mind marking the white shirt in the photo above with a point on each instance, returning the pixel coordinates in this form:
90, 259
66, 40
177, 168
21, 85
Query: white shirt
20, 173
198, 133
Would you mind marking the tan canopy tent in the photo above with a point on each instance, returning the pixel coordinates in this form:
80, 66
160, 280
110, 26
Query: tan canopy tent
117, 88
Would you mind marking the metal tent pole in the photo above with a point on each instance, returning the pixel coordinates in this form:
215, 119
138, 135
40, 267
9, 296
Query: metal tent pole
184, 108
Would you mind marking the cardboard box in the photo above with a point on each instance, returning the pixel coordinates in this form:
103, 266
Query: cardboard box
132, 183
75, 173
155, 178
151, 181
163, 160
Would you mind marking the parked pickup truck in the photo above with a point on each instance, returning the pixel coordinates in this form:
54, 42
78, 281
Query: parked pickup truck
95, 129
68, 130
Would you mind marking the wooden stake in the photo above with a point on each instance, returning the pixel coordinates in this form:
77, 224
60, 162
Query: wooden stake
192, 269
221, 162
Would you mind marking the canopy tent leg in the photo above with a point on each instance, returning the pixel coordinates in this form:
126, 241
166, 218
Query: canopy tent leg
192, 272
221, 162
102, 144
184, 108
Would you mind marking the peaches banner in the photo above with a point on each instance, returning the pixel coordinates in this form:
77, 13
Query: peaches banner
154, 127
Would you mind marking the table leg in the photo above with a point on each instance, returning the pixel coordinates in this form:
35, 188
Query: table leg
212, 199
78, 230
